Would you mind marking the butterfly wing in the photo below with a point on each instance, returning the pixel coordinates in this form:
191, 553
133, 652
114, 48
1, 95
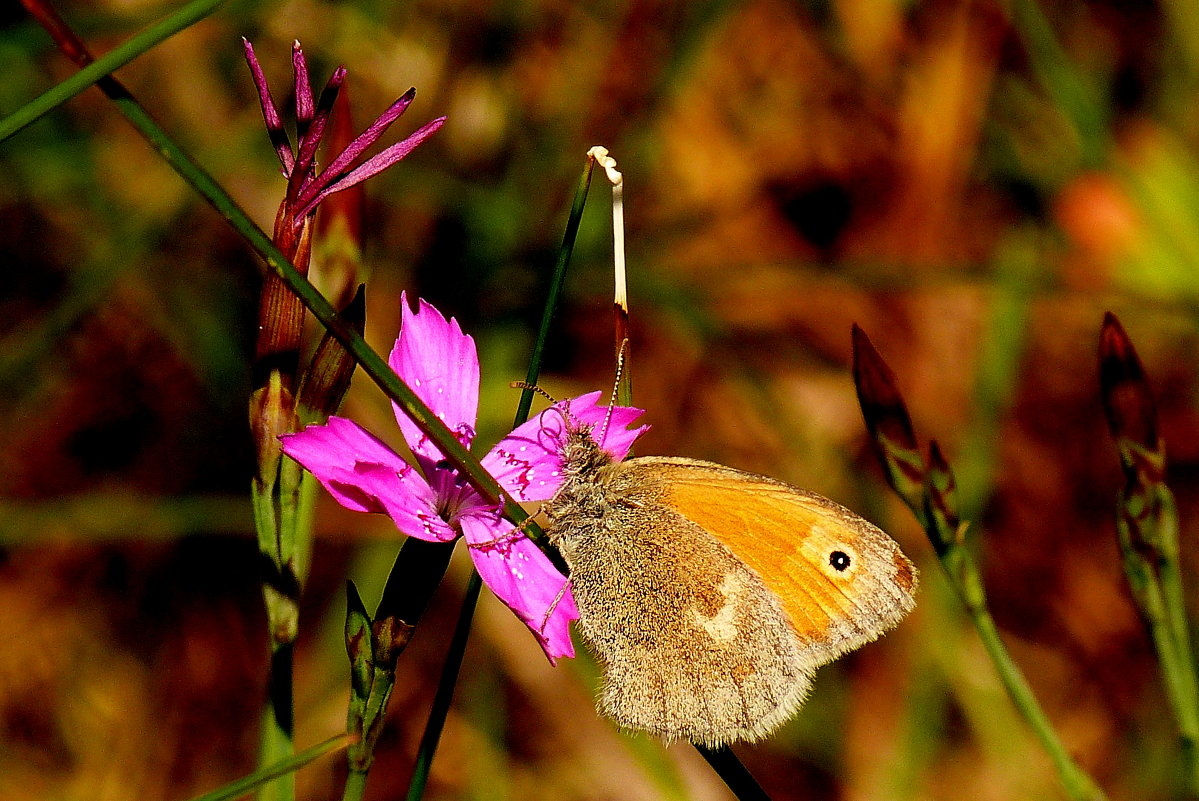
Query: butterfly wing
841, 581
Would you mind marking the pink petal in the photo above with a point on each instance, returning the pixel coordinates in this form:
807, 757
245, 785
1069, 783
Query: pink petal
524, 579
611, 432
330, 181
440, 364
363, 474
342, 161
304, 106
528, 462
324, 107
270, 111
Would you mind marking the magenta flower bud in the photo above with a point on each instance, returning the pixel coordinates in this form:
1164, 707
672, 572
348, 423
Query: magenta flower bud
887, 420
1127, 398
306, 187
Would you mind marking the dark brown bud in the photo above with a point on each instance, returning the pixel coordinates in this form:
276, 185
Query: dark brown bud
1127, 399
327, 379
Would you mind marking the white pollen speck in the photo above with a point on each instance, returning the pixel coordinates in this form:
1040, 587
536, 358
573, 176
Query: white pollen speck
524, 448
416, 382
441, 390
541, 483
554, 473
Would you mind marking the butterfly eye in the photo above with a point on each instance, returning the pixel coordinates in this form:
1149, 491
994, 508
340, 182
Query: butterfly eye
839, 561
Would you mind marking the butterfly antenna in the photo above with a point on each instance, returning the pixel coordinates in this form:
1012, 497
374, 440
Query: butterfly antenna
620, 362
533, 388
567, 417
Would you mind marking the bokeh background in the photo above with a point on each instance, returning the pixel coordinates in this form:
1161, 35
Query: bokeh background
972, 182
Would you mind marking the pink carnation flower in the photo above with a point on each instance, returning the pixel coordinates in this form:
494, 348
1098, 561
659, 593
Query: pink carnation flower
440, 364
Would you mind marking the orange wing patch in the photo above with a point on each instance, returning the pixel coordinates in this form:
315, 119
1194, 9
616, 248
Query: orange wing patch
841, 581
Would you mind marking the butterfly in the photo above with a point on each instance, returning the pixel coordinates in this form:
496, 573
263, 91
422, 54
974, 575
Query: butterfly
712, 595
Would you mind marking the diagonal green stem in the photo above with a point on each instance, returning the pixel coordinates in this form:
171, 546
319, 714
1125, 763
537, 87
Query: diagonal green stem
964, 576
555, 290
240, 787
887, 419
170, 25
1156, 584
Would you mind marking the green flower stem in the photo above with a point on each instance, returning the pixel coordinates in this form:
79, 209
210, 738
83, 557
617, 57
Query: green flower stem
278, 730
170, 25
239, 788
1147, 533
1156, 584
417, 572
355, 784
938, 517
1174, 599
453, 661
277, 738
888, 421
445, 690
555, 290
283, 518
966, 581
1071, 89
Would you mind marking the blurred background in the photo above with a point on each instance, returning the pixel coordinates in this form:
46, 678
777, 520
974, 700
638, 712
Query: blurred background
974, 183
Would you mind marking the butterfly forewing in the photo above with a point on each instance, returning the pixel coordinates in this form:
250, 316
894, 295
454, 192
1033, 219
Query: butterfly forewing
841, 581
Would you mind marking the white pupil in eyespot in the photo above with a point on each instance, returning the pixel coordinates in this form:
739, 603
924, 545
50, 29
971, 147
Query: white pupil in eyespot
839, 560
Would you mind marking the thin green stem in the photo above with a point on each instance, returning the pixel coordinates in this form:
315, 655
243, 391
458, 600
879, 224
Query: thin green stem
1174, 600
418, 570
445, 690
1156, 584
938, 512
555, 290
277, 741
170, 25
276, 520
967, 583
453, 663
355, 785
241, 787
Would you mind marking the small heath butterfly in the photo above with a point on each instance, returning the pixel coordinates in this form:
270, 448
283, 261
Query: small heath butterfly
711, 595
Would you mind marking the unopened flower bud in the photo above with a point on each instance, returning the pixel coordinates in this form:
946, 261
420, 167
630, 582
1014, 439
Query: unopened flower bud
327, 379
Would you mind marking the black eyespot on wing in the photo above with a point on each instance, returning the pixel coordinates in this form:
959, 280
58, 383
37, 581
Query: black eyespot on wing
839, 561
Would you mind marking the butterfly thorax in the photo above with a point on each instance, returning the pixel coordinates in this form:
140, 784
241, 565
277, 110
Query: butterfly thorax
584, 503
581, 456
